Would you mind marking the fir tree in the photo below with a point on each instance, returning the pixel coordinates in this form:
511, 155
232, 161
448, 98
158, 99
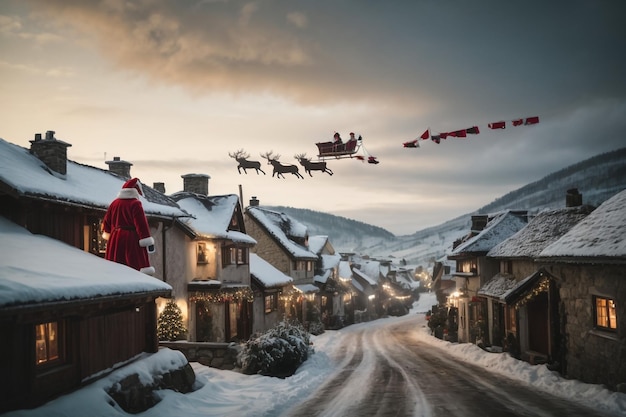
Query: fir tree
170, 323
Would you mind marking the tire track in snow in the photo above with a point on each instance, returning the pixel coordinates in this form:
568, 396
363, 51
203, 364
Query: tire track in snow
384, 371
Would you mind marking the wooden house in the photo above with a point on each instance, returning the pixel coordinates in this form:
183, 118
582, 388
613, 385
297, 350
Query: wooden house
527, 326
473, 269
215, 291
588, 264
66, 316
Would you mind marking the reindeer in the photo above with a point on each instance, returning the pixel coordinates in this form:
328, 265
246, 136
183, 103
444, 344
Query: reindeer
279, 168
312, 166
242, 157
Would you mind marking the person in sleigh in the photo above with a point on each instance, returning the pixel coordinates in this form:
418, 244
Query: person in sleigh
126, 229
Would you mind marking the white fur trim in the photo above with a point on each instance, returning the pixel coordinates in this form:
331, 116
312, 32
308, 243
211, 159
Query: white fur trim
146, 241
106, 235
128, 193
149, 270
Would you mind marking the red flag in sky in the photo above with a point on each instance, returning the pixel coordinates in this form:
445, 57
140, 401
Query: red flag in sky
497, 125
518, 122
426, 134
458, 134
532, 120
473, 130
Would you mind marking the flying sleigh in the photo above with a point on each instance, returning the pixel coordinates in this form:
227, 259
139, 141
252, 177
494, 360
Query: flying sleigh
338, 149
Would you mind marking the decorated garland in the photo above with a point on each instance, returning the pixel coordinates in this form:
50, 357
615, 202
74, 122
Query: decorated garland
221, 296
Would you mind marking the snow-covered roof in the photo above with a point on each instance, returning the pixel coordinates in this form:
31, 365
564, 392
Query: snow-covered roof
266, 273
82, 184
317, 243
498, 286
545, 228
323, 277
344, 270
404, 277
212, 216
330, 261
364, 276
30, 271
306, 288
283, 227
499, 227
601, 234
371, 268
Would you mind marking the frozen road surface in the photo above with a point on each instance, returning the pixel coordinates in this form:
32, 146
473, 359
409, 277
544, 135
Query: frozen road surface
383, 370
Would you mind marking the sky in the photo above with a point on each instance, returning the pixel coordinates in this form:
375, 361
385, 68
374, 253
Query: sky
222, 393
174, 87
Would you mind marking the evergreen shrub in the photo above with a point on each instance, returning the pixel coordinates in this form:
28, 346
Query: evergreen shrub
278, 352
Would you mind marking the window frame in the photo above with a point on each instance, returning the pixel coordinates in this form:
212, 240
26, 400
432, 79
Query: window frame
51, 340
271, 303
606, 313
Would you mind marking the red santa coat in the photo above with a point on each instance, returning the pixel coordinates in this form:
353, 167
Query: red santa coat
126, 228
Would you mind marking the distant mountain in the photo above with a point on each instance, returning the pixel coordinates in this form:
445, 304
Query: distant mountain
597, 179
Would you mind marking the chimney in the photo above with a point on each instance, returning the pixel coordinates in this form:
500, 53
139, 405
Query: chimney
119, 167
159, 186
254, 202
479, 222
573, 198
196, 183
50, 151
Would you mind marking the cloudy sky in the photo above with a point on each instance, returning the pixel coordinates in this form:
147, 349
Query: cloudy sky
174, 87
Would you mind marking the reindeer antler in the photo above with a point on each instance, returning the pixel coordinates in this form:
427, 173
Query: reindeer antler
240, 153
300, 156
270, 156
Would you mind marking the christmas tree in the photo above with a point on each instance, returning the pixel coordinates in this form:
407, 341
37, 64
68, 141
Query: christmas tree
170, 323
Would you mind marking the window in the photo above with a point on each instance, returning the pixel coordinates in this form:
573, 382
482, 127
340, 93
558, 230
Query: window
466, 266
232, 255
506, 267
270, 303
605, 317
240, 260
303, 265
47, 343
202, 253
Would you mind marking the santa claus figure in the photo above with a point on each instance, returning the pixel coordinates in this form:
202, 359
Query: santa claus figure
126, 229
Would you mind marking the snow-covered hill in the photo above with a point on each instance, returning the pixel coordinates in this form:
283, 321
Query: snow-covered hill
597, 179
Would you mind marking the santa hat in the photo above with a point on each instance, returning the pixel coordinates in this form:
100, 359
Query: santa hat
131, 189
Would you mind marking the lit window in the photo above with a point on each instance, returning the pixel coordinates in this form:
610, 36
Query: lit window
270, 303
47, 343
605, 316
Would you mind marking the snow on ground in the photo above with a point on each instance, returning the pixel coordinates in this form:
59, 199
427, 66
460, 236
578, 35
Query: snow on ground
223, 393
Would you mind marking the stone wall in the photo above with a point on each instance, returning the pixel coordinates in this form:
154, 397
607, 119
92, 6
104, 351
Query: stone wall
215, 355
267, 248
592, 355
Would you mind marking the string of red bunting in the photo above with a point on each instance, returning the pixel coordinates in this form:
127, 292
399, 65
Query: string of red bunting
474, 130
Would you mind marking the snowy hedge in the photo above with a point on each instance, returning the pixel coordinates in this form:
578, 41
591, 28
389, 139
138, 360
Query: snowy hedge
278, 352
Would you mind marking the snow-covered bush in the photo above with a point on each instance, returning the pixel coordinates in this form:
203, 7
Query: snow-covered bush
277, 352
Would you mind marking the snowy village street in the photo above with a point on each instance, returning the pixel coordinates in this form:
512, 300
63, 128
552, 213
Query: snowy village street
384, 370
386, 367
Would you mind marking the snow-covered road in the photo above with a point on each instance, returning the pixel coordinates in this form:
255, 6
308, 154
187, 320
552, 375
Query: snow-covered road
384, 370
